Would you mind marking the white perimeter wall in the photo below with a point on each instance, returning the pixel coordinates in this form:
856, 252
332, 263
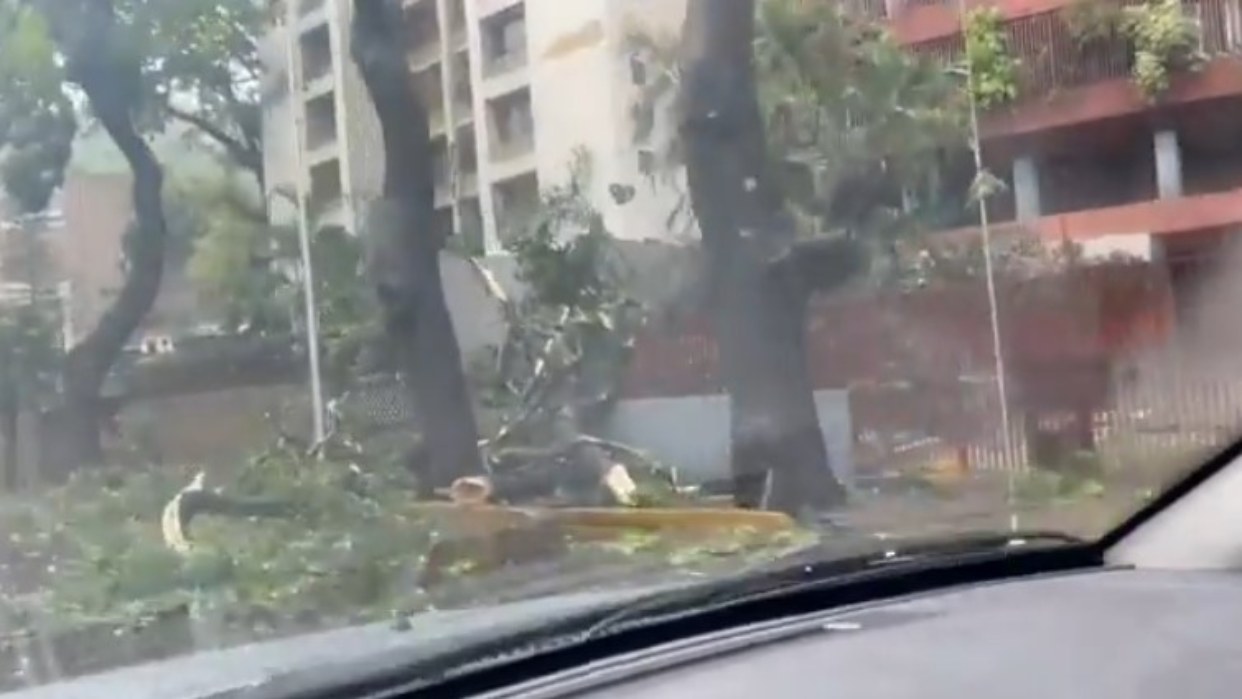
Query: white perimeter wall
692, 433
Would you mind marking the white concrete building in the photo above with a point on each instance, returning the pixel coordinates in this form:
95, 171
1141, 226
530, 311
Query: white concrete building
514, 89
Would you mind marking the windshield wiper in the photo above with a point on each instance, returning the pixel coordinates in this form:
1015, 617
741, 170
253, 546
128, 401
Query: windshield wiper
853, 567
826, 562
833, 562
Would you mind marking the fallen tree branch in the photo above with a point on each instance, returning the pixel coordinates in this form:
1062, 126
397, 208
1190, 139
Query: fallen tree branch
195, 499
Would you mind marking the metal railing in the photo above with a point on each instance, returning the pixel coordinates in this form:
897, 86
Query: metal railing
1051, 58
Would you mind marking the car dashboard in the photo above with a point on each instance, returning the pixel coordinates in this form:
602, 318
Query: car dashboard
1102, 634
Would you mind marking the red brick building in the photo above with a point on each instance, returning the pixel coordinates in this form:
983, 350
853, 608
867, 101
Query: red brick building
1090, 159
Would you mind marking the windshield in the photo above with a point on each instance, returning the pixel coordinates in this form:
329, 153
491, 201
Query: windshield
317, 313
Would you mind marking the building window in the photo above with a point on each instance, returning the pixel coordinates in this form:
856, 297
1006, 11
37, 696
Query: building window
504, 40
422, 25
472, 226
516, 202
316, 48
638, 70
326, 184
321, 121
646, 162
512, 125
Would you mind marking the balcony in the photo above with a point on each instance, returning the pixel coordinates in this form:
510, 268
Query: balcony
436, 121
463, 113
424, 55
468, 185
511, 126
512, 158
326, 193
505, 63
458, 39
311, 14
321, 125
1054, 66
422, 28
515, 146
1112, 98
504, 41
316, 51
488, 8
516, 200
463, 103
444, 195
1158, 218
333, 214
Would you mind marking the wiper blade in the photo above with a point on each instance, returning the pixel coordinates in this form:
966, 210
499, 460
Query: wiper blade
824, 562
896, 549
849, 560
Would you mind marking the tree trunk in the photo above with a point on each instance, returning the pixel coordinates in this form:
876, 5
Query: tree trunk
779, 460
9, 411
403, 251
86, 34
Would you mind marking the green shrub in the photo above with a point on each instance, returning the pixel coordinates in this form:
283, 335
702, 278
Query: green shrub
992, 67
1166, 40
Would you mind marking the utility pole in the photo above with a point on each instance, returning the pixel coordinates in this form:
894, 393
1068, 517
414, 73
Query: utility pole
989, 270
303, 223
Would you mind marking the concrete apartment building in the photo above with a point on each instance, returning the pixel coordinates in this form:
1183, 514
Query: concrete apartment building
514, 89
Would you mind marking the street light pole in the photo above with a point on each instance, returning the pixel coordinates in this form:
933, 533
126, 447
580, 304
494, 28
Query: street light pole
989, 270
303, 223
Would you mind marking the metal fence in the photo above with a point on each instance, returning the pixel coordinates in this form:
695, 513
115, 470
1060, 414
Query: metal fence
1051, 58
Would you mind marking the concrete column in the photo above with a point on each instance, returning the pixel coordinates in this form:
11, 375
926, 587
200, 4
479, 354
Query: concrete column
1168, 165
1026, 197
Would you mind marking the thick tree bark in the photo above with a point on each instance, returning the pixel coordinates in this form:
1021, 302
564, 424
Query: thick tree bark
403, 251
758, 306
85, 32
9, 412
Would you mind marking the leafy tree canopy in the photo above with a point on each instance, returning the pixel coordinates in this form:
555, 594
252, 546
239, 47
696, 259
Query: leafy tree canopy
852, 118
197, 62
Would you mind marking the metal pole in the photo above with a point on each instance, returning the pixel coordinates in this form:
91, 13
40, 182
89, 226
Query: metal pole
1002, 388
304, 236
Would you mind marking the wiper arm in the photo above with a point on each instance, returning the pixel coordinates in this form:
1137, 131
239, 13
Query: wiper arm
896, 549
843, 562
823, 563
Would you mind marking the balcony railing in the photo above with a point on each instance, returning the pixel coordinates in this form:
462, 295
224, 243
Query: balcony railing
458, 38
315, 69
435, 119
463, 100
1051, 58
424, 52
869, 9
515, 146
504, 63
320, 137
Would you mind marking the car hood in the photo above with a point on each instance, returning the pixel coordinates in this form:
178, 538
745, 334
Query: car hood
328, 657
